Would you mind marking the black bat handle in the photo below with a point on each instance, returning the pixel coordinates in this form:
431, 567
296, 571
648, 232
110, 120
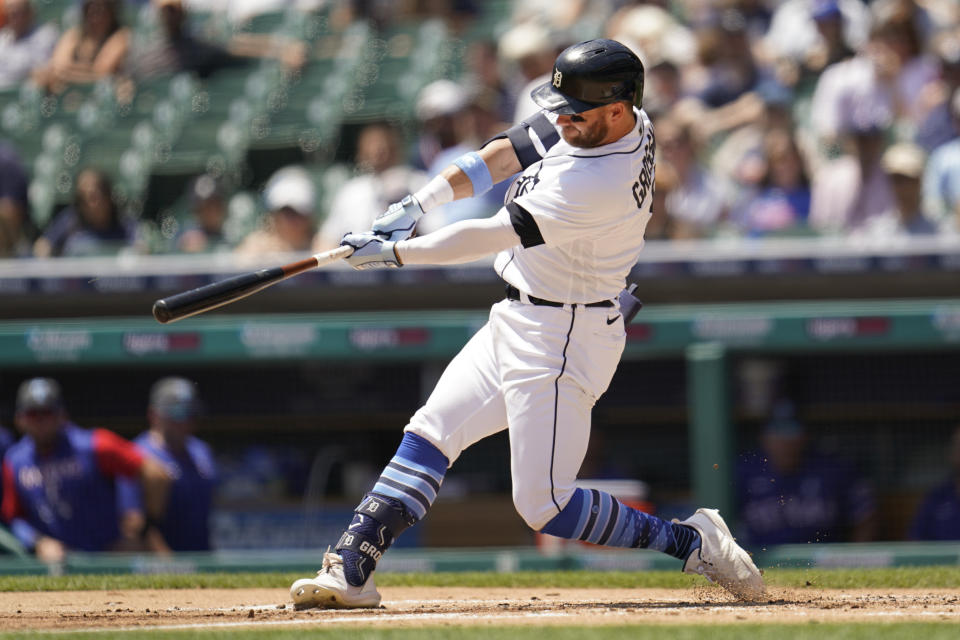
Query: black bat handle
215, 294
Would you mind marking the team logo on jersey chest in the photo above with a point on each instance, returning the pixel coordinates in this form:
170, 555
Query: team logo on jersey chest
557, 77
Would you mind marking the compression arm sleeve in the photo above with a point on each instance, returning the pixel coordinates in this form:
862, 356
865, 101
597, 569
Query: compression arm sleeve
460, 242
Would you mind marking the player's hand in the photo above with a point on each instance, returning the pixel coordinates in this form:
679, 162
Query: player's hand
399, 220
370, 251
50, 550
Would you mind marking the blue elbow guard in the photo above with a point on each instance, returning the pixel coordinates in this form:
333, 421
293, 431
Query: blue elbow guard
476, 169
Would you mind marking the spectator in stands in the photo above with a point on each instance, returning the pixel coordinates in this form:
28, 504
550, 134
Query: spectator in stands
59, 488
175, 49
728, 69
885, 80
95, 49
24, 45
903, 163
696, 203
938, 126
738, 158
441, 108
291, 200
780, 202
790, 493
203, 232
527, 51
853, 188
484, 73
941, 179
654, 34
807, 36
94, 225
382, 180
16, 229
938, 517
172, 413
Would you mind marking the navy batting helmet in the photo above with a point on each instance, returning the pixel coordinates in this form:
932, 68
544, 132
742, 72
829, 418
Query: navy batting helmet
591, 74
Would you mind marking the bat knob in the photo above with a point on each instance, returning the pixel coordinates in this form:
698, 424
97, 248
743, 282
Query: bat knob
161, 312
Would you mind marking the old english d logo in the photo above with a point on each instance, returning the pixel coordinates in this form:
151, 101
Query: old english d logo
557, 76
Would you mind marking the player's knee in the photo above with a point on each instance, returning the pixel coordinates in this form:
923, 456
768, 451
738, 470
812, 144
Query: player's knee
537, 508
447, 446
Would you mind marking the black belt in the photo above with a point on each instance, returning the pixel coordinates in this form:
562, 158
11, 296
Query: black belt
514, 294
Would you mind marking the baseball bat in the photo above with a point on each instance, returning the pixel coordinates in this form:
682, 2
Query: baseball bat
216, 294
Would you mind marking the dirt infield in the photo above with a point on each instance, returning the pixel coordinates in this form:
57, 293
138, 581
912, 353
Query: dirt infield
414, 606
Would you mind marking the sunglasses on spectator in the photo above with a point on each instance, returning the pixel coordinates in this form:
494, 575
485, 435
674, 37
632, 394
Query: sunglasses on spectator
39, 413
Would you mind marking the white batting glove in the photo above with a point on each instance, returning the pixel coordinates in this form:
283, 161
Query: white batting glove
398, 221
370, 251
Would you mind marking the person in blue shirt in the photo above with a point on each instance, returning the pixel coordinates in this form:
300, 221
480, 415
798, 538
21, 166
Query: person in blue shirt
791, 493
938, 517
172, 416
59, 480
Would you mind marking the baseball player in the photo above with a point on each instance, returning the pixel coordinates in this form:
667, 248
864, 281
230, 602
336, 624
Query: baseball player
172, 413
570, 231
59, 480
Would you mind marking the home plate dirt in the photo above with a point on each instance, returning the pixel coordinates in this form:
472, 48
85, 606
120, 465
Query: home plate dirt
415, 606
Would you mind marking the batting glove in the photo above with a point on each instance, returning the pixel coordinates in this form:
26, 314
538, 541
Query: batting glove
398, 221
370, 251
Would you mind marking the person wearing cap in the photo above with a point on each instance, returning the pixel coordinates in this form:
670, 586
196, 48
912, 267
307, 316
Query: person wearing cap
889, 76
172, 413
903, 163
203, 231
806, 36
565, 240
789, 492
59, 480
442, 110
291, 199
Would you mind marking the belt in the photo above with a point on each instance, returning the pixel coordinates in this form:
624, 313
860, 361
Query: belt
514, 294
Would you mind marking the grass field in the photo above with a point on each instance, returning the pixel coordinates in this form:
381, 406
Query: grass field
818, 604
890, 578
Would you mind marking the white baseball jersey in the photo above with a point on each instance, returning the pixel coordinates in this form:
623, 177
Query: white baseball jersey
537, 369
591, 207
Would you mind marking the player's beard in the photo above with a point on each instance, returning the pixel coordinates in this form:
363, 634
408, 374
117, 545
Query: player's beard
589, 138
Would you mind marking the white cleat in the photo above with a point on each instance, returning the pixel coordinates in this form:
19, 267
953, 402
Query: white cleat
720, 559
330, 589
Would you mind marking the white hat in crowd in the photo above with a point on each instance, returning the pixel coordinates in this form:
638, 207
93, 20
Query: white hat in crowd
291, 187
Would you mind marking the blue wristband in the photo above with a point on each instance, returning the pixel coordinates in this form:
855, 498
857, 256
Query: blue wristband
476, 169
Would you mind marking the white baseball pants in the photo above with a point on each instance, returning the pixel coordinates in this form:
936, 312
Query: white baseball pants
537, 371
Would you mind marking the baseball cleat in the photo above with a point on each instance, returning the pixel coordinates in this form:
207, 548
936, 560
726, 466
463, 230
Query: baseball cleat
330, 589
720, 559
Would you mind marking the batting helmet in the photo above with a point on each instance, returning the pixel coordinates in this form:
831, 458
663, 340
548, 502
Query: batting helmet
591, 74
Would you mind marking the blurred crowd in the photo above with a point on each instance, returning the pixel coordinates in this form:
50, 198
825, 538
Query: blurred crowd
66, 487
772, 118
